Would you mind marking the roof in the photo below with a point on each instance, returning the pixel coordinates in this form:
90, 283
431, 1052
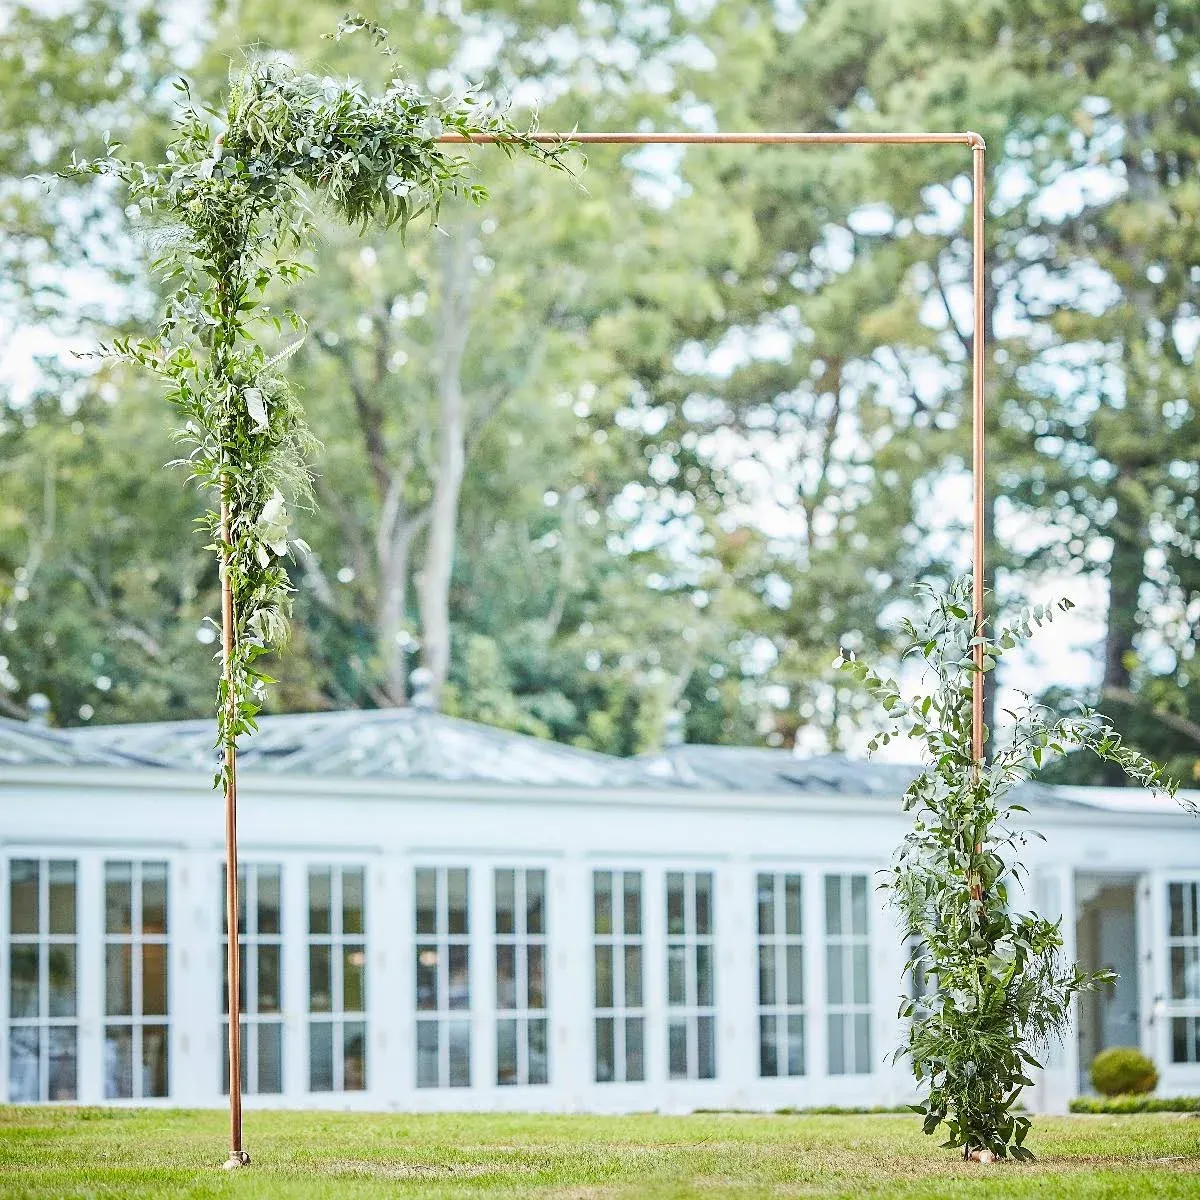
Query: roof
23, 744
415, 745
753, 770
750, 769
387, 743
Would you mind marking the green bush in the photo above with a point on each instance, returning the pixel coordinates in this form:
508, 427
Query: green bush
1123, 1071
1122, 1105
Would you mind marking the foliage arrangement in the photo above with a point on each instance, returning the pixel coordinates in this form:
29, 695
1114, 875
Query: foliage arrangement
233, 196
1123, 1071
1000, 988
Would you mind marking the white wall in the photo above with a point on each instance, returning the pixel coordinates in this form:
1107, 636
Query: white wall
394, 828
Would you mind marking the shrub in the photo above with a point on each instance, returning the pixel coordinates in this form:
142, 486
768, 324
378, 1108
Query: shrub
1123, 1071
1123, 1105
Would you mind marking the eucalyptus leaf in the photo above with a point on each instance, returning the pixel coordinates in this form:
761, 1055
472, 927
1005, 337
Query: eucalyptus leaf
233, 195
1003, 990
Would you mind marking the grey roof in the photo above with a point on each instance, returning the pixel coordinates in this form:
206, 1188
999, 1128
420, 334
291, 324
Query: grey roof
389, 743
414, 745
749, 769
23, 744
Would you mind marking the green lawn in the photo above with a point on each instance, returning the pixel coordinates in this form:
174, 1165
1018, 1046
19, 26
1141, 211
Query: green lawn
49, 1152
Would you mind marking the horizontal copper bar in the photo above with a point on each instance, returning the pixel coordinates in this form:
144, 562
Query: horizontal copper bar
737, 139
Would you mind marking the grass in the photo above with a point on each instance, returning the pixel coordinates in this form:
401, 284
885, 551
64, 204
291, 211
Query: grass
133, 1154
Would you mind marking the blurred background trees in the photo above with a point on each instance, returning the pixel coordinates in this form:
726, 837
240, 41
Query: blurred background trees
631, 459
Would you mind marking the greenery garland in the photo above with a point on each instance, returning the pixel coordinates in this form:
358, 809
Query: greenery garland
998, 990
234, 190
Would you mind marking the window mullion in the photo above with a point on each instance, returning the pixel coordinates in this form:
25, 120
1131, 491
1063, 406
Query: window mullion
135, 974
43, 1008
337, 999
691, 972
441, 885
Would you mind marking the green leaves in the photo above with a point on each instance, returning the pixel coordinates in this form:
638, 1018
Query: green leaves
1003, 989
237, 219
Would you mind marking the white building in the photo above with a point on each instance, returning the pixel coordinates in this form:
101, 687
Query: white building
443, 916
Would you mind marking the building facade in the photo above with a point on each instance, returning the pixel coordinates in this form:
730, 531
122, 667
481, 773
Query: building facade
437, 915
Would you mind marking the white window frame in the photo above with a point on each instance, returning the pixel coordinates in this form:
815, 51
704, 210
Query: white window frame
137, 1021
848, 1009
691, 1011
617, 942
338, 1018
1182, 1008
521, 941
782, 1011
440, 940
250, 940
43, 939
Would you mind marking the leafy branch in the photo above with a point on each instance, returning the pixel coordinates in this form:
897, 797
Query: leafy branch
231, 201
1002, 991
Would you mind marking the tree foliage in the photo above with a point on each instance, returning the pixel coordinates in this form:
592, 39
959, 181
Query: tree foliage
1002, 990
725, 388
234, 184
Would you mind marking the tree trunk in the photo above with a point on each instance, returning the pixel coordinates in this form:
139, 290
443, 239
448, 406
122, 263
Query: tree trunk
434, 582
1126, 571
1129, 527
393, 552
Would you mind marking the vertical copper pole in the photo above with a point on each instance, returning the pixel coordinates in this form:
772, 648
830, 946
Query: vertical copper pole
978, 462
237, 1156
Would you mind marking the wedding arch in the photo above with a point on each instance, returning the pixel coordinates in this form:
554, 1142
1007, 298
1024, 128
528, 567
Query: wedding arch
232, 194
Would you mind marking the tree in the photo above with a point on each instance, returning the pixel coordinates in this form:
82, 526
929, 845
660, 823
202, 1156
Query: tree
545, 301
83, 602
1116, 416
816, 384
1092, 385
772, 346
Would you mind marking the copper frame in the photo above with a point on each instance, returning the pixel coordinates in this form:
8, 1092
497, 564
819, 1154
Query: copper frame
237, 1154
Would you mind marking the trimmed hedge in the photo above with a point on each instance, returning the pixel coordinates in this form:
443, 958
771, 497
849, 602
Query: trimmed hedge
842, 1110
1120, 1105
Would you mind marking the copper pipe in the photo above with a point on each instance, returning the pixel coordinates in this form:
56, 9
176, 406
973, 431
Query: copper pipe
978, 461
237, 1155
730, 139
975, 142
965, 138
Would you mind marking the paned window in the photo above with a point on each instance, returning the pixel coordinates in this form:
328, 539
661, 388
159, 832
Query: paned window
522, 1028
136, 1029
691, 987
337, 979
780, 974
43, 989
443, 972
848, 974
260, 945
1183, 965
618, 957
